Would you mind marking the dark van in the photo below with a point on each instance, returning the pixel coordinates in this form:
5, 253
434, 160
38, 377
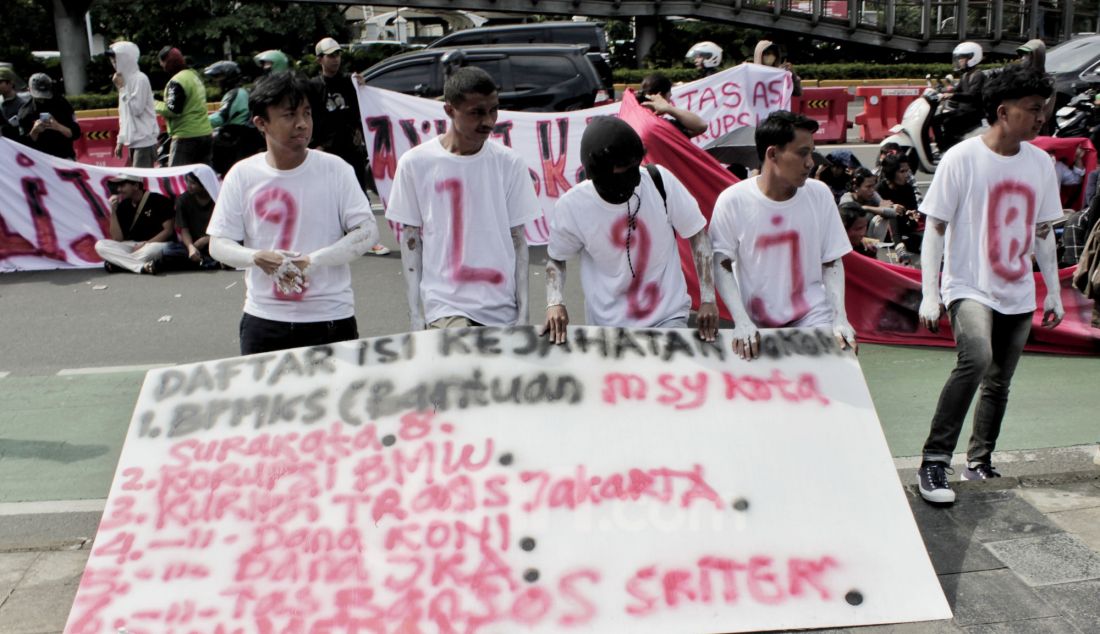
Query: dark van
547, 77
590, 34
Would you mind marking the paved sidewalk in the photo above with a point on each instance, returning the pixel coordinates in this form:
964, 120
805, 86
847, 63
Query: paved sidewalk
1016, 555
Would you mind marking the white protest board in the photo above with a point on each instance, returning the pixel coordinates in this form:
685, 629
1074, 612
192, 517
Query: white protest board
484, 480
549, 142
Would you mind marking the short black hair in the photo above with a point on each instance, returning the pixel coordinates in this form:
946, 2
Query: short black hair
779, 129
1012, 82
891, 163
273, 89
466, 80
861, 174
655, 84
849, 215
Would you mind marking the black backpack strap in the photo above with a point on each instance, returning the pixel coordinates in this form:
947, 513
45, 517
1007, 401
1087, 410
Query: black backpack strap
658, 182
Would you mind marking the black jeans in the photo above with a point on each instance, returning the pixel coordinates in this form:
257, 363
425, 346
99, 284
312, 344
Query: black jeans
192, 150
266, 335
989, 346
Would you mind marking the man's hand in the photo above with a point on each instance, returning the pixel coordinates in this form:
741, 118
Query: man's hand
1052, 311
302, 262
708, 321
268, 261
557, 318
193, 253
138, 246
746, 340
656, 103
845, 335
118, 80
118, 150
930, 311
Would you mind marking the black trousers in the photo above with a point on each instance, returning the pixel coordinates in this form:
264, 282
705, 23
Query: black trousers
266, 335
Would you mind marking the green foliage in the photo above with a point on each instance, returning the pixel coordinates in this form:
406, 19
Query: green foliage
205, 29
93, 101
28, 25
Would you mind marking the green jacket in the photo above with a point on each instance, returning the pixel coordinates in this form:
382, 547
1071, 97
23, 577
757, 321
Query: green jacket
184, 106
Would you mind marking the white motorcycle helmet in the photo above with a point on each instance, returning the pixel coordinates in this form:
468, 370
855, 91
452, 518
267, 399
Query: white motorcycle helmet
970, 50
709, 51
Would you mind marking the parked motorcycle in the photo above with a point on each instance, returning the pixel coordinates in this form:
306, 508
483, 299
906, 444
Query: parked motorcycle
914, 134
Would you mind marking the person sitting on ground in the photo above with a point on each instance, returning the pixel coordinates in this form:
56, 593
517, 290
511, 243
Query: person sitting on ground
1070, 176
141, 228
768, 53
855, 222
596, 220
655, 93
756, 225
861, 195
896, 185
462, 202
836, 171
193, 210
47, 121
293, 218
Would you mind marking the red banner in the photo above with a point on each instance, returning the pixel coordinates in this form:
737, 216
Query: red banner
882, 299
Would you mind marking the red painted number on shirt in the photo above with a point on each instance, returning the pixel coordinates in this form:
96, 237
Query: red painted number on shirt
461, 272
800, 307
641, 299
278, 207
1010, 204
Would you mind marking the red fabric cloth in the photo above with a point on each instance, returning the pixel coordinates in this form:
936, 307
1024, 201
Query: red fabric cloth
1073, 197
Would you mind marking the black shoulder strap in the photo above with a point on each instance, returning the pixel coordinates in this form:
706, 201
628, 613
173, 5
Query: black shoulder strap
658, 182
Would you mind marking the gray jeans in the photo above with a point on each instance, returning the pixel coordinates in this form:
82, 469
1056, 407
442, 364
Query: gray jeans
142, 156
989, 345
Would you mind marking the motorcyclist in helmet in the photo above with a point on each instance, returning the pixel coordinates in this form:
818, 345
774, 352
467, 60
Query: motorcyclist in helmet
272, 61
707, 57
234, 107
962, 110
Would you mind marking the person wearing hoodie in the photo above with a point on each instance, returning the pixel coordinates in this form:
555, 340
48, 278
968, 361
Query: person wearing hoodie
769, 53
184, 109
137, 119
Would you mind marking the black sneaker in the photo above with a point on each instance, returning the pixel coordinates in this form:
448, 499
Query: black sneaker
111, 268
152, 267
980, 471
932, 482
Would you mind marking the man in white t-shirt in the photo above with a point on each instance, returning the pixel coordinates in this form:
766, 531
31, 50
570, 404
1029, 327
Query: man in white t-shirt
462, 203
622, 222
301, 217
992, 197
779, 241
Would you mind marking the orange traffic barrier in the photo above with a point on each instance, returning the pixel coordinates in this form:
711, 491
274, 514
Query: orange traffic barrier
96, 144
829, 107
883, 108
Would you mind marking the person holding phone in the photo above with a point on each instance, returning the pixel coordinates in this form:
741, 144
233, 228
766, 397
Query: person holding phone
47, 122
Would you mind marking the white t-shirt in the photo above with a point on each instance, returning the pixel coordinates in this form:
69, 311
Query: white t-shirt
779, 248
584, 223
991, 204
465, 207
303, 209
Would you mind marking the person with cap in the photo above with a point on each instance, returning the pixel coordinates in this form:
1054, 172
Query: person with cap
836, 171
768, 53
655, 94
184, 110
623, 222
779, 240
137, 117
293, 219
11, 102
337, 126
462, 203
47, 122
142, 228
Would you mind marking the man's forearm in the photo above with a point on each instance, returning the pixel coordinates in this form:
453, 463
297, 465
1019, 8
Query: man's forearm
412, 261
693, 123
703, 253
354, 244
519, 243
555, 282
1046, 253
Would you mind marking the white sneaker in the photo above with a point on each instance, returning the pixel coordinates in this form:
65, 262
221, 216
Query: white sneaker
379, 249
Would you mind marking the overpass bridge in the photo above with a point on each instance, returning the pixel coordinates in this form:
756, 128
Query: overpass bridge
919, 26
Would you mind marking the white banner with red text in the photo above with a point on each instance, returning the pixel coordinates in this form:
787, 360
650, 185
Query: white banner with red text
52, 210
549, 142
486, 480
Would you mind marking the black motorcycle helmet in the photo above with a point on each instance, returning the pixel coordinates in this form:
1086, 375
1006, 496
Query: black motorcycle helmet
226, 73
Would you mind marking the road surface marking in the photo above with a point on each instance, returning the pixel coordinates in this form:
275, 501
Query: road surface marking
52, 506
114, 369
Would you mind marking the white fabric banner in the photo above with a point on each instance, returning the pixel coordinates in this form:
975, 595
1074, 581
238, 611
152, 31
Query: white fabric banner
483, 480
550, 141
53, 210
